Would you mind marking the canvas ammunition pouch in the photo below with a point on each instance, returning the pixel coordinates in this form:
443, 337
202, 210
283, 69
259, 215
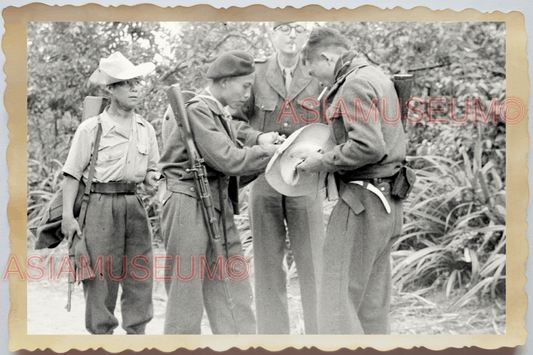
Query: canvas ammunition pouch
403, 182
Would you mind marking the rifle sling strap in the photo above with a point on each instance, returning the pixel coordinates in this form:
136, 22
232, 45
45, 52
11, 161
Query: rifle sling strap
223, 213
86, 193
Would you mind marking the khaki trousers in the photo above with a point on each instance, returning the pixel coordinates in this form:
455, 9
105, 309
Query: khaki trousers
273, 216
186, 236
117, 230
355, 293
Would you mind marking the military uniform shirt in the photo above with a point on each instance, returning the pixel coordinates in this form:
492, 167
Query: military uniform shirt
120, 158
290, 71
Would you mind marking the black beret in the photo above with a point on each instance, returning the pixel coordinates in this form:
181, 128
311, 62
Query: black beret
231, 63
277, 24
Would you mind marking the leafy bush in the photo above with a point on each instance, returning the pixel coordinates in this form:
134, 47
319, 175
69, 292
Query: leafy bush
454, 230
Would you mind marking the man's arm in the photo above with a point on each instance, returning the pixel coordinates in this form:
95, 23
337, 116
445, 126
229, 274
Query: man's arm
364, 144
219, 151
242, 117
77, 161
250, 137
152, 175
246, 135
69, 224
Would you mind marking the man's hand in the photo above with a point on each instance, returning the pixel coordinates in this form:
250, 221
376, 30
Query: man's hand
271, 148
312, 162
69, 227
152, 178
270, 138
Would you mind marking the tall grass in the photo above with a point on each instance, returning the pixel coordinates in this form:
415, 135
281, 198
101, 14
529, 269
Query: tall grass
42, 182
454, 234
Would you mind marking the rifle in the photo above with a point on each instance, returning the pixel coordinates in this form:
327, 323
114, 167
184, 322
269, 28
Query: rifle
406, 177
403, 85
92, 106
177, 103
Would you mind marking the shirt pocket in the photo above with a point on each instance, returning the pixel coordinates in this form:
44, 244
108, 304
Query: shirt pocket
110, 163
141, 161
265, 104
264, 108
310, 111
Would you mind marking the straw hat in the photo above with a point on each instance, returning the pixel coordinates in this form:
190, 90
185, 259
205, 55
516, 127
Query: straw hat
118, 68
282, 173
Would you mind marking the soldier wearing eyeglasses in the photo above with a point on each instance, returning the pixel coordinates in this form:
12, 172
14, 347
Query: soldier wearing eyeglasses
117, 230
281, 86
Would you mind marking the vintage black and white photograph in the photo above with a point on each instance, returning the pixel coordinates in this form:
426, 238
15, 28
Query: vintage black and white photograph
266, 178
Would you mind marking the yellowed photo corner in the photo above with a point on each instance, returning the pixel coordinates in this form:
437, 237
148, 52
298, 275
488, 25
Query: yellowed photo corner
518, 85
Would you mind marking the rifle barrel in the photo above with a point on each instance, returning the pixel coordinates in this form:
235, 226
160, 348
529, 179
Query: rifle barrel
177, 103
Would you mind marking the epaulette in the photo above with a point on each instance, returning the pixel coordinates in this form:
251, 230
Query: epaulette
260, 60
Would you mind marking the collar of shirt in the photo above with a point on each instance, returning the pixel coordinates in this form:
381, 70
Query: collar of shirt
108, 124
344, 63
224, 109
291, 69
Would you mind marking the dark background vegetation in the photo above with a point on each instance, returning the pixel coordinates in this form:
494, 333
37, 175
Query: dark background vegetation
454, 239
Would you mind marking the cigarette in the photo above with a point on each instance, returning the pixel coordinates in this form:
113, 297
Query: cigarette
322, 93
293, 47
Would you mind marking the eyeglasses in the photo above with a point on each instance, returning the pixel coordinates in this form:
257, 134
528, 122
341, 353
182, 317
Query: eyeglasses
286, 29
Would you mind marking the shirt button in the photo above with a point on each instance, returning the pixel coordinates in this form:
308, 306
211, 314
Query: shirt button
285, 125
192, 189
382, 189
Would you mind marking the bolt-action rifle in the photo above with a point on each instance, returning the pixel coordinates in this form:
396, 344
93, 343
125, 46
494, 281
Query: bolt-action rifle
177, 103
403, 85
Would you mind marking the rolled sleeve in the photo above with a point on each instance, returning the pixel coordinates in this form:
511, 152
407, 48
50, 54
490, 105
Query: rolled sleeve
153, 154
79, 154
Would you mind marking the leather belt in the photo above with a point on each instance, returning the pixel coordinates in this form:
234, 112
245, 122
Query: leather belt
128, 188
377, 181
373, 181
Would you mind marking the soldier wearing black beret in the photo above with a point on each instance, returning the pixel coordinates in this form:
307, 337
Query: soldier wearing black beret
183, 226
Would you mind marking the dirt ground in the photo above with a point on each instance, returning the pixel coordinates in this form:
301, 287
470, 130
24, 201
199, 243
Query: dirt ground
410, 314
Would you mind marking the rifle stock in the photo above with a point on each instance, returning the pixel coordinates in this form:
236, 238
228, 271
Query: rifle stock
403, 84
177, 103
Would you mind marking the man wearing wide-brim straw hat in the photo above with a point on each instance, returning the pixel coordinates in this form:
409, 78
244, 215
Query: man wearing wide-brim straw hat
117, 229
183, 225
